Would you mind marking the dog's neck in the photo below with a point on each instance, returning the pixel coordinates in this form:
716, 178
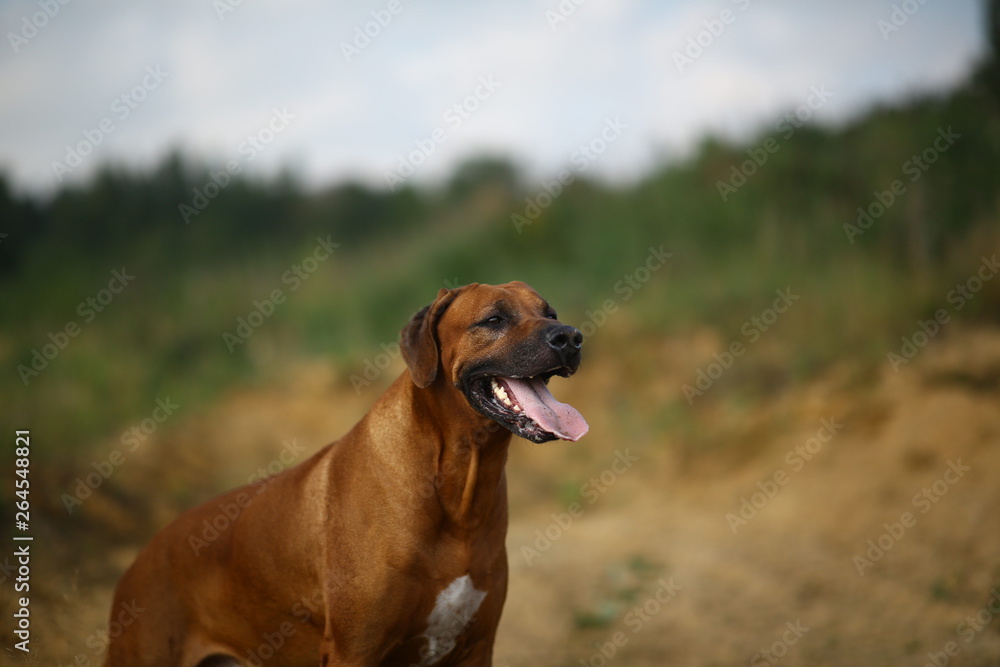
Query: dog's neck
468, 456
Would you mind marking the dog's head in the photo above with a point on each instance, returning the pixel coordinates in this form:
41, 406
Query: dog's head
499, 345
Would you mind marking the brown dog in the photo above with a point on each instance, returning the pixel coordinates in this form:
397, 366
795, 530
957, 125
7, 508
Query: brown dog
385, 547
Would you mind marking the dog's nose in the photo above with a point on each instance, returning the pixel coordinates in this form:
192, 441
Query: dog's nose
565, 340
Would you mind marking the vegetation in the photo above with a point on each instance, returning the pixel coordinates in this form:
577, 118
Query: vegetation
871, 224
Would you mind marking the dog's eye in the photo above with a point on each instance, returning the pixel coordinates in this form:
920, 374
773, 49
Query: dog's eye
492, 321
551, 315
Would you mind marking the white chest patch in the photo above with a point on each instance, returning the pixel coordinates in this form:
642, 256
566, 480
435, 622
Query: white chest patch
453, 613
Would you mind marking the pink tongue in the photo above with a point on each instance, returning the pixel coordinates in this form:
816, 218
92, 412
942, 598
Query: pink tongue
537, 401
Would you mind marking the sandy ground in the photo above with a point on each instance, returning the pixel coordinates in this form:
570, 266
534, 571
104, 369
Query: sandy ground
851, 520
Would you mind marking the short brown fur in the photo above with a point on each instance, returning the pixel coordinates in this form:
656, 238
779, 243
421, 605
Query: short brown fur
341, 558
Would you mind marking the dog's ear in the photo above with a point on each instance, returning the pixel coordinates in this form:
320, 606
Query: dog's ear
418, 339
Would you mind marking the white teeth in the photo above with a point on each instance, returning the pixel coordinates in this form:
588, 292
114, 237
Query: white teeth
501, 394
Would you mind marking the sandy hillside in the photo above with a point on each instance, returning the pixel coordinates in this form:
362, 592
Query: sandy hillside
658, 566
925, 442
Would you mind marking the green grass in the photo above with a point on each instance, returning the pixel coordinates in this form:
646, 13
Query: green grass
163, 334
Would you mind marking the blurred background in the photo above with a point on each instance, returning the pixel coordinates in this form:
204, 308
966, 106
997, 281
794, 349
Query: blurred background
777, 224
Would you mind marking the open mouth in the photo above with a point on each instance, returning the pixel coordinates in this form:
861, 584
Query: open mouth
527, 407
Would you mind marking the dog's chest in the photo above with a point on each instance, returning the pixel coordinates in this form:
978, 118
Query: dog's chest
454, 611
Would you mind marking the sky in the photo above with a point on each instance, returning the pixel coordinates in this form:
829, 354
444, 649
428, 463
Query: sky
396, 91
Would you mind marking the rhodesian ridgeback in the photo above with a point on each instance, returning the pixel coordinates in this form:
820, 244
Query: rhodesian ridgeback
385, 547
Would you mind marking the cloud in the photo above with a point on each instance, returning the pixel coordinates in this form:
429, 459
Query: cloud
558, 82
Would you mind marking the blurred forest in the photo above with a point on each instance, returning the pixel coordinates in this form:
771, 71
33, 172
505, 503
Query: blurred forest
875, 226
783, 210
